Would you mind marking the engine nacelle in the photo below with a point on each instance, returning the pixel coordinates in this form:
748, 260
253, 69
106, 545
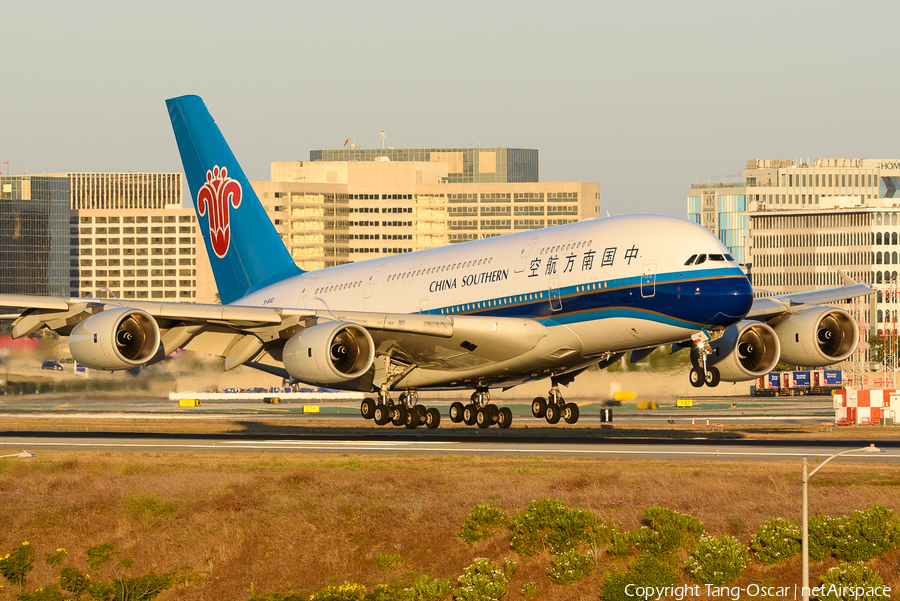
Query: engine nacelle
329, 353
745, 351
817, 336
115, 339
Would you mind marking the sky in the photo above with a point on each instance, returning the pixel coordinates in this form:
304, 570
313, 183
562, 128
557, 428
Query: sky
646, 98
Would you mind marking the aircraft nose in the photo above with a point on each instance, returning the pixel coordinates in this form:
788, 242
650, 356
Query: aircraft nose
734, 298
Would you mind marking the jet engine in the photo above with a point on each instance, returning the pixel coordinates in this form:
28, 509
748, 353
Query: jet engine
329, 353
817, 336
115, 339
746, 351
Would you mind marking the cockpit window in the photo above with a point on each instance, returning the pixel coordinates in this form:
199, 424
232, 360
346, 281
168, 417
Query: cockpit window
729, 258
691, 260
716, 258
700, 259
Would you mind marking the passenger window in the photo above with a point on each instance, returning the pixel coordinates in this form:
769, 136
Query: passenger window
691, 260
700, 259
716, 258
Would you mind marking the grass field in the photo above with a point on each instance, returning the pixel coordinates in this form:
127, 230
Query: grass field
233, 524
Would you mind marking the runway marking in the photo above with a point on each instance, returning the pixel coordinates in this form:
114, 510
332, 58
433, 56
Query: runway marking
344, 442
460, 449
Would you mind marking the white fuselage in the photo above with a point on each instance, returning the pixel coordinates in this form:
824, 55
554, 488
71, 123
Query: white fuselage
617, 283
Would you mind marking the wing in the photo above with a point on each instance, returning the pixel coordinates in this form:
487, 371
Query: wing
240, 334
771, 306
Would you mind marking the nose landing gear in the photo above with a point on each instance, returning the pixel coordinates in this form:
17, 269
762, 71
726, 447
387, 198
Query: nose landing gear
701, 373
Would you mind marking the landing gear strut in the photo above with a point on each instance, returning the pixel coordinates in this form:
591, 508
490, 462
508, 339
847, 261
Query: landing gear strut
406, 412
701, 373
481, 411
554, 407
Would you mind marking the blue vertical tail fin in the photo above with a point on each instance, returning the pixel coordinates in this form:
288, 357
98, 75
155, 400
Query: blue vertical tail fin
244, 248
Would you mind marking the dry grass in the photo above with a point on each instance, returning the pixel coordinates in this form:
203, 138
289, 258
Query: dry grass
282, 522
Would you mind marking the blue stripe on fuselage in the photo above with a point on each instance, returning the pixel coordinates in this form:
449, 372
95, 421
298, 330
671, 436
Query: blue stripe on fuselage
703, 298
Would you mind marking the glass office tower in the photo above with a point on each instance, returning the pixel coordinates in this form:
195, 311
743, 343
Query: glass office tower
34, 235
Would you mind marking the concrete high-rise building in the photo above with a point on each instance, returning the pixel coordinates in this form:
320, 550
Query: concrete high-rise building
139, 254
334, 212
34, 240
123, 190
805, 221
464, 165
127, 236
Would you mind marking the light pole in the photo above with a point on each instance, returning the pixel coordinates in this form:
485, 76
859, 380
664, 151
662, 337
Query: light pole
805, 511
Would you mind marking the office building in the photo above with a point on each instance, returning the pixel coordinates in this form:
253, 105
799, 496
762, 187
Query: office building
142, 254
126, 235
34, 241
123, 190
334, 212
464, 165
805, 221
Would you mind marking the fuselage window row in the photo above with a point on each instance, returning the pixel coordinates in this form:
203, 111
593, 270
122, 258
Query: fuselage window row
442, 268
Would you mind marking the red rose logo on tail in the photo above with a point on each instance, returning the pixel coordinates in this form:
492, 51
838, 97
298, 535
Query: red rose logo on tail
214, 197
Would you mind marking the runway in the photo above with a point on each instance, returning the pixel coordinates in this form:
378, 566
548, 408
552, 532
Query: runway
411, 444
338, 429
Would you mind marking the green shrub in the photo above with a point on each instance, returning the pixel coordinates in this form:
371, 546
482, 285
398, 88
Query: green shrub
851, 582
142, 587
646, 574
824, 532
776, 541
675, 529
668, 531
389, 561
570, 567
867, 533
531, 590
483, 581
348, 591
546, 524
482, 523
48, 593
718, 561
16, 565
427, 589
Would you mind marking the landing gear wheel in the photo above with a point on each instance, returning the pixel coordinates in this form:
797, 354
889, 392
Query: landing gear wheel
398, 415
538, 407
494, 411
456, 412
382, 414
470, 414
552, 414
504, 417
483, 418
412, 418
432, 418
696, 378
570, 413
712, 377
367, 408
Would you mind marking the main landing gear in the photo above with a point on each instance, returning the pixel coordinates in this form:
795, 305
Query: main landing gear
406, 412
554, 408
701, 373
480, 411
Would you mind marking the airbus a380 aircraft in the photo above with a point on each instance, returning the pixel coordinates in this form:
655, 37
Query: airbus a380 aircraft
485, 314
